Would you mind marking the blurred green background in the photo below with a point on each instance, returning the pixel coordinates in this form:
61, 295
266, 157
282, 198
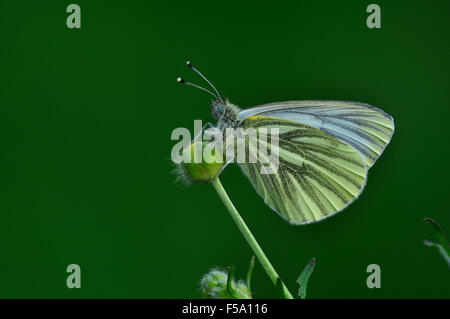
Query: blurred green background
86, 117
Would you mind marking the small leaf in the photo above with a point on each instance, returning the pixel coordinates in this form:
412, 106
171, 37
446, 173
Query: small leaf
440, 234
302, 280
230, 285
440, 249
249, 273
443, 247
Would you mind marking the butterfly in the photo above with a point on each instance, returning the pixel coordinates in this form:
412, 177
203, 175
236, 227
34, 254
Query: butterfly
325, 149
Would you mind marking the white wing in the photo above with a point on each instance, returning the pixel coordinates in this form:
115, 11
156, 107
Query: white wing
362, 126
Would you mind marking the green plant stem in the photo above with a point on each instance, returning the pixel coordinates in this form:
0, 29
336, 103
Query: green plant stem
249, 237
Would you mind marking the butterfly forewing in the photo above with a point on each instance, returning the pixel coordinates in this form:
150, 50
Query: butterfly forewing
315, 174
362, 126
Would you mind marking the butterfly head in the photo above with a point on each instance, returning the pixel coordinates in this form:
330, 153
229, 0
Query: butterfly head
218, 108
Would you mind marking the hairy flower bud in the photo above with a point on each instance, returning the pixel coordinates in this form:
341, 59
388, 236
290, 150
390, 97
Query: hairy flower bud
214, 285
201, 163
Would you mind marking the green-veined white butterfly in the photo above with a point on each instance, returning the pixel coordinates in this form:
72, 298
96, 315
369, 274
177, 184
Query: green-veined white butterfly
325, 150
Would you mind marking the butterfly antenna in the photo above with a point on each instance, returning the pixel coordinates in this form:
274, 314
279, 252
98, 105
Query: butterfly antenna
182, 81
189, 64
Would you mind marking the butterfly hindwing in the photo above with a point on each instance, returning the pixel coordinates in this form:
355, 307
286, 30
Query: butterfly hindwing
316, 174
362, 126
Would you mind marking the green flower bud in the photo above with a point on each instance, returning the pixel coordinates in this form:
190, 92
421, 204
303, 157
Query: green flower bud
214, 285
201, 163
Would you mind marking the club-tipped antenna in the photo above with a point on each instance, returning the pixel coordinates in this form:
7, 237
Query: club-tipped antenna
189, 64
182, 81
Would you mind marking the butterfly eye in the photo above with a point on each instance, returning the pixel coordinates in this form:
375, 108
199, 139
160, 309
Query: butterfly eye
217, 109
